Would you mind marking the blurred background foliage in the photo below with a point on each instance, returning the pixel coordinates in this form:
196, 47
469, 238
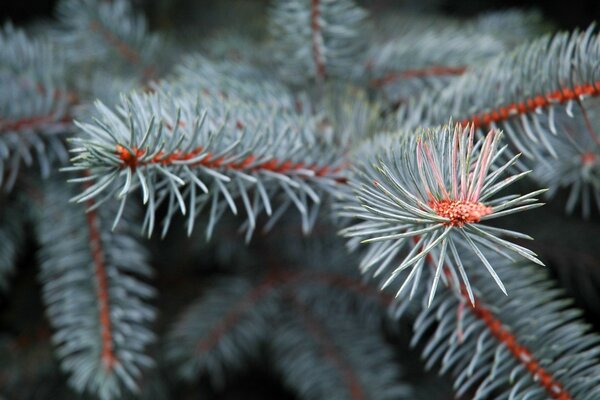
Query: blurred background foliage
21, 313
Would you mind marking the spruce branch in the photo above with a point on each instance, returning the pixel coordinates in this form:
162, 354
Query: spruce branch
350, 116
411, 53
28, 368
512, 25
520, 92
238, 46
236, 312
577, 168
95, 301
316, 39
34, 104
222, 331
229, 137
214, 81
318, 355
93, 30
489, 347
570, 248
231, 325
193, 157
426, 193
548, 115
420, 59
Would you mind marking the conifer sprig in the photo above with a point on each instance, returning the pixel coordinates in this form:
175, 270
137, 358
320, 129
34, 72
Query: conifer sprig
577, 168
191, 157
34, 104
214, 81
95, 31
418, 59
520, 92
426, 194
302, 321
94, 297
324, 349
489, 347
316, 39
221, 332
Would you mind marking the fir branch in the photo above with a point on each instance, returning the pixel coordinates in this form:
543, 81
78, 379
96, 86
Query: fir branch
94, 301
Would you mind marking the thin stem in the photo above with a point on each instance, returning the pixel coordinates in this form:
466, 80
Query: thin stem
531, 104
107, 353
136, 159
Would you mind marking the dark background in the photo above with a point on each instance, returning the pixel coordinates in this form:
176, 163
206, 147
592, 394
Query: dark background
565, 14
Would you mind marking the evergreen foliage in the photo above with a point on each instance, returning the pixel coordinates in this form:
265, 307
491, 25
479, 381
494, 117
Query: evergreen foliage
95, 301
493, 351
428, 192
313, 324
316, 39
34, 104
398, 130
93, 31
